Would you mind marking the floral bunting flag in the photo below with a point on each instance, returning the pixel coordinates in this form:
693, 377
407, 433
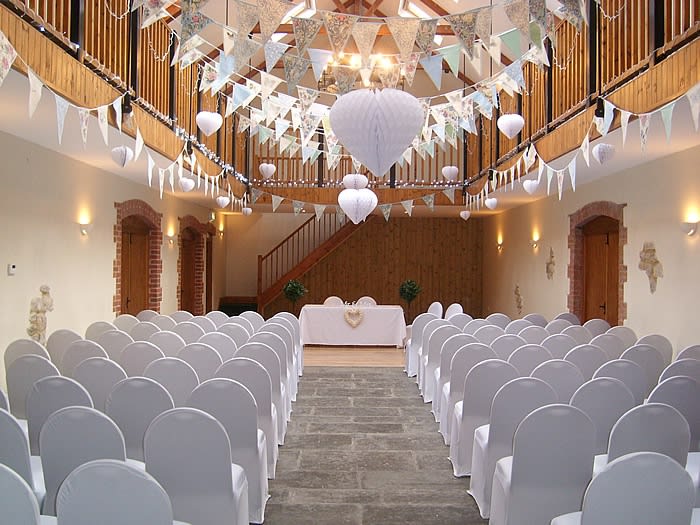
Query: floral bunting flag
439, 130
451, 55
242, 95
149, 170
624, 122
192, 19
644, 120
61, 110
35, 85
390, 76
138, 144
264, 134
365, 34
272, 109
425, 37
693, 96
257, 115
339, 27
319, 60
318, 210
153, 10
483, 25
271, 13
408, 206
429, 201
209, 74
243, 123
518, 12
246, 17
572, 173
515, 72
345, 78
450, 194
585, 150
538, 13
573, 11
297, 206
305, 30
560, 182
667, 116
83, 116
286, 102
161, 182
244, 49
386, 211
293, 148
404, 31
340, 214
295, 68
296, 118
309, 125
273, 52
464, 27
433, 67
255, 194
410, 67
307, 96
229, 39
268, 84
276, 201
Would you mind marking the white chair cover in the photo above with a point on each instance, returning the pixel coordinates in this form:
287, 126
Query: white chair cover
14, 453
283, 328
79, 351
366, 300
189, 331
58, 342
21, 376
462, 362
245, 323
629, 338
631, 374
423, 349
236, 332
22, 347
125, 322
164, 322
254, 318
413, 345
682, 367
572, 318
683, 394
189, 453
549, 470
204, 323
222, 343
559, 345
96, 329
181, 316
649, 359
256, 379
203, 358
233, 405
143, 331
625, 493
690, 352
111, 492
506, 344
113, 342
443, 372
597, 326
217, 317
528, 357
432, 360
137, 356
514, 327
580, 334
453, 309
169, 342
588, 358
604, 400
132, 405
145, 315
459, 320
291, 322
498, 319
4, 402
472, 326
557, 326
98, 375
564, 377
70, 437
474, 409
536, 319
18, 504
661, 343
435, 308
534, 334
612, 344
513, 401
176, 376
275, 342
488, 334
333, 300
46, 397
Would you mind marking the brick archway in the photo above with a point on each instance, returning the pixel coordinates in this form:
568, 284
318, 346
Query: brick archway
203, 230
577, 220
155, 240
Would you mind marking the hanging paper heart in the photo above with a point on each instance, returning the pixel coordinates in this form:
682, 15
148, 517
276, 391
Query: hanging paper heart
267, 170
530, 186
357, 204
450, 173
186, 184
122, 155
376, 127
465, 214
246, 211
510, 124
491, 203
209, 122
222, 201
355, 181
603, 152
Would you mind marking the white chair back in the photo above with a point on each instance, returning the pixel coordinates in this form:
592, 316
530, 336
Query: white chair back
612, 344
217, 317
534, 334
22, 347
137, 356
588, 358
169, 342
536, 319
99, 375
366, 300
690, 352
124, 322
46, 397
498, 319
683, 394
435, 342
682, 367
189, 331
58, 342
580, 334
514, 327
245, 323
96, 329
236, 332
505, 344
526, 358
4, 402
435, 308
181, 316
145, 315
597, 326
176, 376
459, 320
14, 453
449, 349
281, 348
661, 343
629, 338
254, 318
564, 377
220, 342
111, 492
204, 323
453, 309
203, 358
21, 376
472, 326
604, 400
143, 331
487, 334
559, 345
572, 318
113, 342
649, 359
18, 503
333, 300
269, 359
164, 322
79, 351
413, 345
631, 374
557, 326
70, 437
133, 403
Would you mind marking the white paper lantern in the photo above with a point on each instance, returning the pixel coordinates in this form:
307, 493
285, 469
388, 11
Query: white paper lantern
209, 122
246, 211
222, 201
376, 127
357, 204
465, 214
355, 181
530, 186
186, 184
267, 170
122, 155
510, 124
450, 173
603, 152
491, 203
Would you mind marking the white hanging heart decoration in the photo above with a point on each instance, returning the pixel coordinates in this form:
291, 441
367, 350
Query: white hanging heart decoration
450, 173
465, 214
491, 203
355, 181
603, 152
376, 127
246, 211
510, 124
222, 201
186, 184
209, 122
530, 186
357, 204
267, 170
122, 155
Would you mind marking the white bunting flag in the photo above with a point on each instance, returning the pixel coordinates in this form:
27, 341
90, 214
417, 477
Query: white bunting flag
408, 206
138, 145
318, 210
572, 173
149, 172
103, 121
35, 87
667, 116
276, 201
297, 206
693, 96
644, 121
61, 110
117, 107
83, 117
450, 194
386, 211
624, 122
161, 181
585, 149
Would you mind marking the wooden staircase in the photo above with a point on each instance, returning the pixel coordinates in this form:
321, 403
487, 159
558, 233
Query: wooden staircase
300, 251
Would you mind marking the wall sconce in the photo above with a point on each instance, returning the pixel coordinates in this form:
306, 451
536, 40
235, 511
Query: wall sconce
85, 227
171, 239
689, 228
533, 243
221, 234
499, 246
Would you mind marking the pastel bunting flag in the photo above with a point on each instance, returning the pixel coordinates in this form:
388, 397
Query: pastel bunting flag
408, 206
518, 12
425, 36
255, 194
386, 211
340, 215
246, 16
268, 84
451, 55
305, 30
667, 117
339, 27
410, 67
61, 110
83, 118
433, 67
464, 27
483, 25
404, 31
35, 88
243, 50
271, 13
450, 194
693, 96
365, 34
318, 210
297, 206
585, 150
429, 201
273, 52
319, 60
295, 68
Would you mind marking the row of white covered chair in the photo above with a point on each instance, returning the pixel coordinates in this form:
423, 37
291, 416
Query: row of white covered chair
365, 300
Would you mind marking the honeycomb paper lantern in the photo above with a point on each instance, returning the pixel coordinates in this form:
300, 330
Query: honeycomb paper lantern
222, 201
491, 203
186, 184
355, 181
357, 204
450, 173
465, 214
267, 170
209, 122
122, 155
246, 211
603, 152
530, 186
510, 124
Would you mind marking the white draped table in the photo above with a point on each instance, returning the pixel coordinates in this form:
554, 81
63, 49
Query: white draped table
327, 325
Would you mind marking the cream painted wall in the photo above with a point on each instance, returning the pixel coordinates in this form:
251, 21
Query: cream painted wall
248, 237
42, 198
659, 196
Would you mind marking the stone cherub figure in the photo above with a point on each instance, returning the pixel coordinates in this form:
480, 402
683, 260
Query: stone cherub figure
649, 263
37, 315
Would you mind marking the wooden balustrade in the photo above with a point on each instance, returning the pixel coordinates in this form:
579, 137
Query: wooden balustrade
54, 15
156, 47
679, 16
106, 36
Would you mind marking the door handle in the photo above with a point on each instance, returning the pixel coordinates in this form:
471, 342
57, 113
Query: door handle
602, 307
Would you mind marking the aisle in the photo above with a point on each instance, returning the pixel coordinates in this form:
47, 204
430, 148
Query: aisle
362, 448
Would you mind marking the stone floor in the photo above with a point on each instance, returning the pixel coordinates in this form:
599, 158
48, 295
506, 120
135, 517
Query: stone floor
363, 448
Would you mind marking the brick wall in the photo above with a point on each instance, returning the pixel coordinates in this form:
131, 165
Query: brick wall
201, 230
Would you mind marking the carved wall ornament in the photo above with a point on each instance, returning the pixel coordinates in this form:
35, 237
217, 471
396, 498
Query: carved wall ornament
650, 264
37, 314
550, 264
518, 300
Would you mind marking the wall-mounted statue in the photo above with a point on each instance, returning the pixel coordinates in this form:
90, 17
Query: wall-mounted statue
549, 265
518, 300
649, 263
37, 315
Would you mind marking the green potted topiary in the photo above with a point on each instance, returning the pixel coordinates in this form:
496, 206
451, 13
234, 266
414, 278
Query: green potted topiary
409, 290
294, 291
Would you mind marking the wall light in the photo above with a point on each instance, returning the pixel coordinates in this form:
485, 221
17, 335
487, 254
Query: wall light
689, 228
534, 242
499, 246
85, 227
221, 231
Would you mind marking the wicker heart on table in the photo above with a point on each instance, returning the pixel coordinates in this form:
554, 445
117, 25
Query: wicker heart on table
353, 316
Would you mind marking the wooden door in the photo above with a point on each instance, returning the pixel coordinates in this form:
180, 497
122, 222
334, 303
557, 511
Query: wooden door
208, 291
188, 269
134, 275
601, 269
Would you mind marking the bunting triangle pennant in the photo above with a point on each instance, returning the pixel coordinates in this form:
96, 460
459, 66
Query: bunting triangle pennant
475, 60
83, 116
439, 130
574, 12
366, 75
404, 31
624, 122
515, 72
296, 118
285, 102
117, 106
365, 34
433, 67
285, 141
305, 30
560, 182
276, 201
293, 148
356, 165
273, 52
255, 194
171, 177
386, 211
246, 17
229, 39
483, 25
297, 206
208, 77
138, 144
307, 96
281, 127
450, 194
153, 12
518, 12
693, 96
494, 48
340, 215
241, 96
429, 201
425, 36
149, 170
667, 117
309, 125
572, 173
103, 121
243, 123
550, 174
408, 206
268, 84
644, 120
318, 210
339, 27
161, 182
264, 134
319, 60
464, 27
271, 13
410, 67
512, 40
61, 110
35, 88
390, 76
585, 149
451, 55
418, 148
345, 78
540, 170
230, 107
192, 19
295, 68
538, 13
244, 49
603, 124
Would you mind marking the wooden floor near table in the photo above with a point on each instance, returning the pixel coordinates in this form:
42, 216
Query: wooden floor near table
353, 356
